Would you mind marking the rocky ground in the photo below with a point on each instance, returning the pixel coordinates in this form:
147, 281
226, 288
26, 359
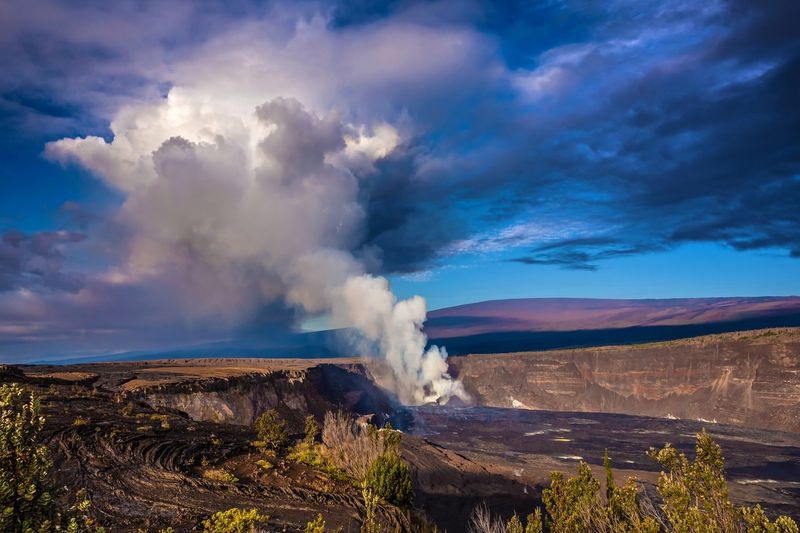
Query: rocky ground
147, 442
167, 443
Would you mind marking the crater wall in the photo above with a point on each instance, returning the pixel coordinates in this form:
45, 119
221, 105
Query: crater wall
746, 378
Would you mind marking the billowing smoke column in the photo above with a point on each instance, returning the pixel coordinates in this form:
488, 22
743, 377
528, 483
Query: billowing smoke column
236, 209
396, 327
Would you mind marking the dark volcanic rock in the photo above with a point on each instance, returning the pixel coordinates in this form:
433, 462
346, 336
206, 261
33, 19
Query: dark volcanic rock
293, 393
142, 439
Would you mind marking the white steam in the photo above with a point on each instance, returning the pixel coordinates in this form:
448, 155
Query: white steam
420, 375
238, 210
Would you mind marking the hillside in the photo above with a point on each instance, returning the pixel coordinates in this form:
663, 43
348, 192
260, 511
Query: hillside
550, 323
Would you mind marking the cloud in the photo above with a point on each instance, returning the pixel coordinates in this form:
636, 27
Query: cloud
249, 146
252, 211
35, 261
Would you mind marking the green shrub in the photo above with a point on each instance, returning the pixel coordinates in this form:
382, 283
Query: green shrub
370, 523
25, 498
307, 451
220, 474
514, 525
311, 430
694, 499
26, 502
390, 478
317, 525
234, 521
694, 494
271, 431
313, 455
265, 465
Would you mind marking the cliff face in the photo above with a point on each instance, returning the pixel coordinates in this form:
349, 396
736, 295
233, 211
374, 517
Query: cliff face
294, 394
749, 378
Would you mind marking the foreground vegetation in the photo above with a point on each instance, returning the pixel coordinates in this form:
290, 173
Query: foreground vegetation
27, 499
692, 493
693, 499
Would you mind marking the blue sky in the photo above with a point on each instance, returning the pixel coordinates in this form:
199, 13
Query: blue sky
175, 173
694, 270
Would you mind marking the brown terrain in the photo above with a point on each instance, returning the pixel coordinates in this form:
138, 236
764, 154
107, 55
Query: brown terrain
749, 378
142, 437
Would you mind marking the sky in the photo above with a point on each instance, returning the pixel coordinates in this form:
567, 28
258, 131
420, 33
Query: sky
176, 173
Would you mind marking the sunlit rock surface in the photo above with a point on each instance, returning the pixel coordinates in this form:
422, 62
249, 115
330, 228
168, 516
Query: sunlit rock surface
746, 378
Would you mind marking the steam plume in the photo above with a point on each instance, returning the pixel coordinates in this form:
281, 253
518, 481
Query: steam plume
241, 209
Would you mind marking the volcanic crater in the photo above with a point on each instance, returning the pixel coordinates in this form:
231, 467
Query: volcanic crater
141, 437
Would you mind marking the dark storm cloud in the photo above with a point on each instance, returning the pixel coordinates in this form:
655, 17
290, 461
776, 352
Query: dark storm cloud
680, 124
638, 117
583, 254
548, 133
35, 261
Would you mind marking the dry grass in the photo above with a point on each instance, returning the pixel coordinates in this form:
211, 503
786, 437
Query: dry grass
349, 447
482, 521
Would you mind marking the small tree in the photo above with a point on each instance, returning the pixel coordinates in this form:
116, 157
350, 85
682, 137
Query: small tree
311, 430
514, 525
694, 494
24, 464
271, 431
390, 478
569, 503
370, 523
609, 476
534, 524
575, 504
694, 498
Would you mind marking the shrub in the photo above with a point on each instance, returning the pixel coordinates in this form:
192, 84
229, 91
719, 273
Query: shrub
162, 419
370, 523
317, 525
482, 521
265, 465
234, 521
314, 456
515, 525
307, 451
694, 499
390, 478
128, 409
534, 522
354, 449
311, 430
26, 503
24, 463
220, 474
271, 431
695, 494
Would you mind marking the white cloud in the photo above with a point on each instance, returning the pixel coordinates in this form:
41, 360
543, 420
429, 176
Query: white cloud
239, 185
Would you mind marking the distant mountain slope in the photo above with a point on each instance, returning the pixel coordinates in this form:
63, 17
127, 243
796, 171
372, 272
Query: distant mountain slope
520, 325
574, 314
